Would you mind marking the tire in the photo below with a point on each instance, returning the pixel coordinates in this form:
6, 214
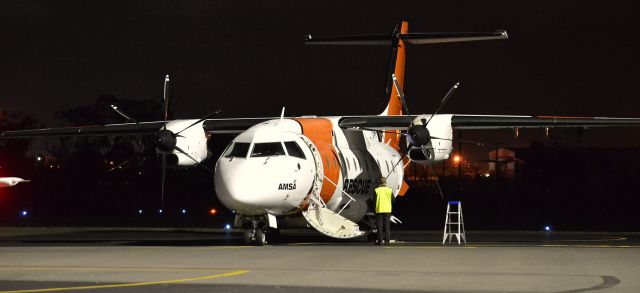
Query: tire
247, 237
261, 237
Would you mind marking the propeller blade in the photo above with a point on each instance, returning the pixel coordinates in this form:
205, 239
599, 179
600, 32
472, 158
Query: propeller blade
401, 95
123, 114
394, 166
202, 119
190, 157
166, 100
118, 166
437, 180
459, 140
444, 100
164, 171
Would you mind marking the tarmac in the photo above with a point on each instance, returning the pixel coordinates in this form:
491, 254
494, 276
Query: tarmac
213, 260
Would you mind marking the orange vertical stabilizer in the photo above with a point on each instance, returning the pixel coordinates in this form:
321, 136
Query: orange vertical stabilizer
395, 105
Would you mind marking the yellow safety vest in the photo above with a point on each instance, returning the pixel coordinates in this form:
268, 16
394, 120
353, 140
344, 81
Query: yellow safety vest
384, 195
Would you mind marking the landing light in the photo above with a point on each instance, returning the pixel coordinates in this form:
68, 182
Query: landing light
160, 211
24, 213
547, 228
183, 211
140, 212
227, 227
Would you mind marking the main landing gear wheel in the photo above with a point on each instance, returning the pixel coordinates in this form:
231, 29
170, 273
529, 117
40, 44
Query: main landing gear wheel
248, 236
261, 237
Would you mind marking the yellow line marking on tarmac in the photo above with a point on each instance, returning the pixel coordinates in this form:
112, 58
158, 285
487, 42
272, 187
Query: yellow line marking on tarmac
107, 269
229, 274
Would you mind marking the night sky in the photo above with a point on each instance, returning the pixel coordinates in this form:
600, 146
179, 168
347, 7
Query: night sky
247, 58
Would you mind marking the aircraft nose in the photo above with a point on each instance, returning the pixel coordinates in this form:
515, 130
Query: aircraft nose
246, 187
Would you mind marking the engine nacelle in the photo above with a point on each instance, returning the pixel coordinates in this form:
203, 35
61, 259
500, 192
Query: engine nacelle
435, 149
193, 141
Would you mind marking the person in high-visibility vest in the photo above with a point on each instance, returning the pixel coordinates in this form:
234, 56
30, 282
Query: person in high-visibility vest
384, 198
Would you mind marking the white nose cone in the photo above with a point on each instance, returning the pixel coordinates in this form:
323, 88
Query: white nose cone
11, 181
248, 186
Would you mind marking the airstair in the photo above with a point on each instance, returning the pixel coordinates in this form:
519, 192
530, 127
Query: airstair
331, 223
318, 215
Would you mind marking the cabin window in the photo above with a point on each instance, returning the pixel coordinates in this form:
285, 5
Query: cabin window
326, 158
267, 149
355, 165
387, 163
294, 149
238, 150
335, 162
348, 165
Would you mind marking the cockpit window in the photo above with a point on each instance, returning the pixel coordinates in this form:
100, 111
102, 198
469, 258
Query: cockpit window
267, 149
238, 150
294, 149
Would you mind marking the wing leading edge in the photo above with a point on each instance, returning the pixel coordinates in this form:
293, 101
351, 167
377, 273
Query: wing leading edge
496, 121
230, 125
491, 122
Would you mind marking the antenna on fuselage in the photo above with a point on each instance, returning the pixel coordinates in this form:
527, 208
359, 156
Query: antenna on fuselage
282, 114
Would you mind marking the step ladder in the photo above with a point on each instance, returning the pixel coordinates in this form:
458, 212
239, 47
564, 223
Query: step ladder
454, 223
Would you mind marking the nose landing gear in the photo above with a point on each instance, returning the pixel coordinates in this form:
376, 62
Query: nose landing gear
257, 229
255, 236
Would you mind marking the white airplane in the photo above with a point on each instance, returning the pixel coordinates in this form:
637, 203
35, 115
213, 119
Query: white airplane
321, 171
11, 181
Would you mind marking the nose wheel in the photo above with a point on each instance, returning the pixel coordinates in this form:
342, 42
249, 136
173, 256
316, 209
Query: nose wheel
255, 236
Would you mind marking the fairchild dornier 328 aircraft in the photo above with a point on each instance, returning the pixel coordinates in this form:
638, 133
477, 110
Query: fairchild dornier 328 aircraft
320, 171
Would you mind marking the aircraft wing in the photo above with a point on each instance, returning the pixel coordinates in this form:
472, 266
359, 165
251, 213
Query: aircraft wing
97, 130
229, 125
232, 125
497, 121
490, 122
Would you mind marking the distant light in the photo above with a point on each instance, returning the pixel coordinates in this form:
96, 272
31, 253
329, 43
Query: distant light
139, 172
183, 211
487, 174
213, 211
547, 228
227, 227
456, 158
24, 213
160, 211
38, 158
140, 212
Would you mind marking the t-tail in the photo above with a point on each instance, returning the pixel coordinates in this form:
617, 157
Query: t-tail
397, 42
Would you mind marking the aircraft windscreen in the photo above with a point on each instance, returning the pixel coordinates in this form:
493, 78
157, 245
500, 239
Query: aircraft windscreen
267, 149
238, 150
294, 149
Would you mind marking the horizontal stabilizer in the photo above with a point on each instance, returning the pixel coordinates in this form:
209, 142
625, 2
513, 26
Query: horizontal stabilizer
411, 38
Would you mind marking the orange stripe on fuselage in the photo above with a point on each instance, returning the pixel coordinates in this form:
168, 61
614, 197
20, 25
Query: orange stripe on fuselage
320, 132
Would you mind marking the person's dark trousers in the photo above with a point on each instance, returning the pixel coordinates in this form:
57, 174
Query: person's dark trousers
384, 227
